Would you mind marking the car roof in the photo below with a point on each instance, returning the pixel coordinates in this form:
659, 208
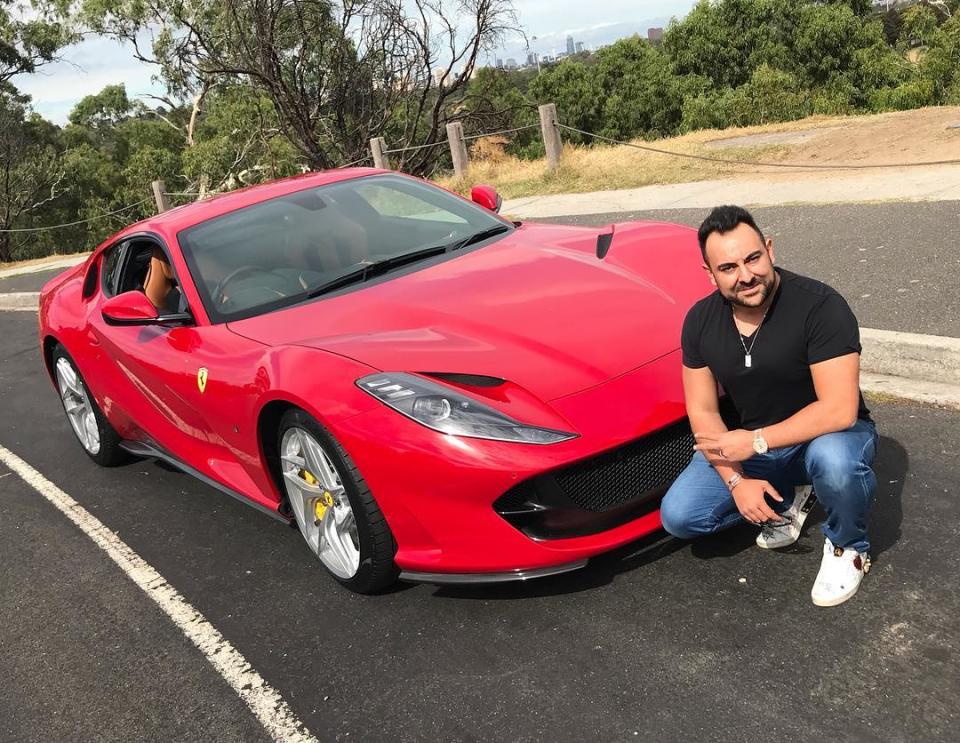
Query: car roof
181, 217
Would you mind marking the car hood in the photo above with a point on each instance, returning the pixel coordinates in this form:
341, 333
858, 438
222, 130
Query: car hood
536, 307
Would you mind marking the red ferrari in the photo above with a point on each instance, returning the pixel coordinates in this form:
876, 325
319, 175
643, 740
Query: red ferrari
429, 391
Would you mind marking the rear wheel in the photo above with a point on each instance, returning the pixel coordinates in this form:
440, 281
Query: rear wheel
334, 509
99, 439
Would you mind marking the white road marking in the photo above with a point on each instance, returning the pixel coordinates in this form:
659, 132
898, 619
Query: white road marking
262, 699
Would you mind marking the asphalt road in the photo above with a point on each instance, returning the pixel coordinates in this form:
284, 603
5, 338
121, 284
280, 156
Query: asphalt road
663, 641
898, 264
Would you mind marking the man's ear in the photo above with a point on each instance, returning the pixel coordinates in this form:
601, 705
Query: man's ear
769, 243
706, 268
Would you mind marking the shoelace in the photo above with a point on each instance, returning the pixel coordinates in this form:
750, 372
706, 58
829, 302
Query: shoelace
769, 531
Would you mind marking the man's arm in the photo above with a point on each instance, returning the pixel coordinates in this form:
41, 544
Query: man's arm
703, 410
837, 385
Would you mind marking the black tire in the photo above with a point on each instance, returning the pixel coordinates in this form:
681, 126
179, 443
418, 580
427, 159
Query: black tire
109, 453
377, 546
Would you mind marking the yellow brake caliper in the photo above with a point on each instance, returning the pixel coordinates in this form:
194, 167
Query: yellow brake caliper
321, 504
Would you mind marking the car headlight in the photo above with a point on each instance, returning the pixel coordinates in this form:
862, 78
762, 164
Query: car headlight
448, 411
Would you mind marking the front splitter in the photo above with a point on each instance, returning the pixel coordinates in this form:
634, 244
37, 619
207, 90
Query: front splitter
504, 577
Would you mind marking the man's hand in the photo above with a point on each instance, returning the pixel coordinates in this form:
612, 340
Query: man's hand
748, 495
732, 446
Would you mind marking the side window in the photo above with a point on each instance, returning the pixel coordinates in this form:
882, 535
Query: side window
392, 202
111, 269
147, 269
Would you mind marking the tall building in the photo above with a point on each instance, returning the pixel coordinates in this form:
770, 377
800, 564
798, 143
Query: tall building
499, 63
570, 46
655, 35
511, 64
579, 47
531, 59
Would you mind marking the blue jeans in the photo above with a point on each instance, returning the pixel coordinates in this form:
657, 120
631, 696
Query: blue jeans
838, 465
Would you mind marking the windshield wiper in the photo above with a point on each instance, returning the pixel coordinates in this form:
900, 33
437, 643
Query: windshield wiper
387, 264
375, 269
477, 237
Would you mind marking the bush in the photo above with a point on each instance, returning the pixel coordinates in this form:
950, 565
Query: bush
903, 97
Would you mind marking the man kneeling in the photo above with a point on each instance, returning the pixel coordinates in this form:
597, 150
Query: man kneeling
786, 349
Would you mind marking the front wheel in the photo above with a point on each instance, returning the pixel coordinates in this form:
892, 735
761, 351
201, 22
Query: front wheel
334, 509
99, 439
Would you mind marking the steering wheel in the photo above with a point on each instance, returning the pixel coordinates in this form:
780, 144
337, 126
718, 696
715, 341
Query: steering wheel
219, 293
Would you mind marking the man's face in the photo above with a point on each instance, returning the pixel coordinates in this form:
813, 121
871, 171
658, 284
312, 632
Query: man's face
740, 264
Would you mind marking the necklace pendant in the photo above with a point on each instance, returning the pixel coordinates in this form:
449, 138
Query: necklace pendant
747, 361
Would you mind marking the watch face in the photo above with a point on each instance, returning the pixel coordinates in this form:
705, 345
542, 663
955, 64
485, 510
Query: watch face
760, 445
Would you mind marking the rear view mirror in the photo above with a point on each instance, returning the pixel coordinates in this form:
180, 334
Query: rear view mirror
487, 197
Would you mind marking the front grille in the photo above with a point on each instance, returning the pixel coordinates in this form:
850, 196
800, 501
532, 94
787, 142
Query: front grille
606, 490
618, 476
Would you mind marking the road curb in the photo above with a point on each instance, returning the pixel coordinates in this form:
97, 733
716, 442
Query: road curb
928, 358
20, 301
66, 262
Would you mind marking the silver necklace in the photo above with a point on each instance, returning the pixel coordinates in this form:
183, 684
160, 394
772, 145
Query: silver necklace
747, 357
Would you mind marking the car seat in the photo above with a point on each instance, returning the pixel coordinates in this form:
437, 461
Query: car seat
160, 282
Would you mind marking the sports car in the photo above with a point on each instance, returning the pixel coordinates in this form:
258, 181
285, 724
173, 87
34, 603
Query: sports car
427, 390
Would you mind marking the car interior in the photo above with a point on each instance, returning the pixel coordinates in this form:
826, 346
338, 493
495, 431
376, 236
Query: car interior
144, 267
285, 247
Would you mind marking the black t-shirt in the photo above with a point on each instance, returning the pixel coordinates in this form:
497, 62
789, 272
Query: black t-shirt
808, 322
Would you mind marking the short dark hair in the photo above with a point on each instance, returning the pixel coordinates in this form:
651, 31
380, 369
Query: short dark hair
723, 219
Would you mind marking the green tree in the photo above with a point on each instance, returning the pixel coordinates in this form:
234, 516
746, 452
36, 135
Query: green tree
337, 72
29, 39
31, 175
919, 24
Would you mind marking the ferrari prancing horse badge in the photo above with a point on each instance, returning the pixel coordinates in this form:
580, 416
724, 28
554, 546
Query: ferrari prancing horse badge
202, 378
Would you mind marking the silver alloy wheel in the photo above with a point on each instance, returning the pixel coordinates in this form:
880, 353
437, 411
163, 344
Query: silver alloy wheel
320, 503
77, 405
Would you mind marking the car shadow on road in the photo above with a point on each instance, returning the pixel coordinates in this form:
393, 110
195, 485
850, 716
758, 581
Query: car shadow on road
891, 467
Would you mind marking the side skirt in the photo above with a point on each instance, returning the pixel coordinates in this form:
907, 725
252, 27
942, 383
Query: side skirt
148, 451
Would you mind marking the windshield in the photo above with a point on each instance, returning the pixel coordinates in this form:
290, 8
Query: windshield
278, 252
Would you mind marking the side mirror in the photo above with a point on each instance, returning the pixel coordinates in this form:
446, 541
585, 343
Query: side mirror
133, 308
487, 197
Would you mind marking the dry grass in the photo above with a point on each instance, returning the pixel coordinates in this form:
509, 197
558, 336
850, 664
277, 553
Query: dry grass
607, 167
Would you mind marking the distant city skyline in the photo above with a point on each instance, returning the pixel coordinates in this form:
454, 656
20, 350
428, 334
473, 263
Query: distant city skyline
548, 23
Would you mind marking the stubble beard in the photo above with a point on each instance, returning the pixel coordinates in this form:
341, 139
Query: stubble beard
754, 301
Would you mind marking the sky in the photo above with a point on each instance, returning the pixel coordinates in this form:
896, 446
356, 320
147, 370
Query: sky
88, 67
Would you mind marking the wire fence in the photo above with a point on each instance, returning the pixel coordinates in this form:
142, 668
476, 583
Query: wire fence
414, 147
79, 221
502, 131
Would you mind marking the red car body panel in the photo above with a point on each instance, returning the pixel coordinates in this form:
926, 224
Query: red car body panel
585, 345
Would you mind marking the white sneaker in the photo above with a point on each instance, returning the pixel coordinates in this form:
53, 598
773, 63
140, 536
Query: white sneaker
774, 537
841, 571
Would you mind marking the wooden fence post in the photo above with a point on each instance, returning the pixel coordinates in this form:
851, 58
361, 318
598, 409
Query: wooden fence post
458, 148
378, 146
160, 196
551, 134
